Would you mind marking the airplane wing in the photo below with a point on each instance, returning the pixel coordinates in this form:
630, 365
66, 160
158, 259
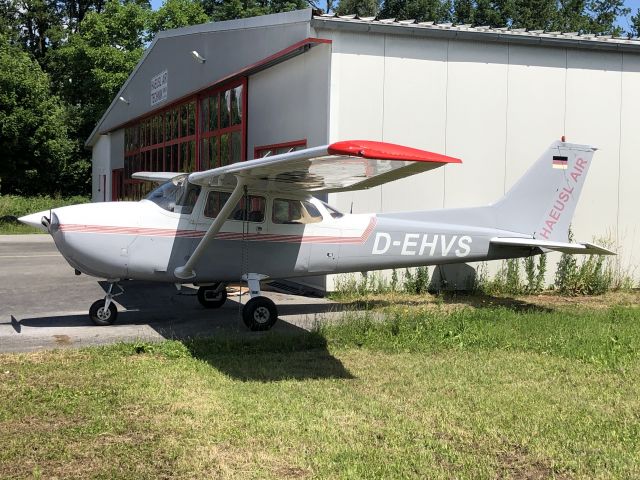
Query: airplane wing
585, 248
159, 177
342, 166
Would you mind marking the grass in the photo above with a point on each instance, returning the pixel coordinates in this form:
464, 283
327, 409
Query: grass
430, 391
17, 206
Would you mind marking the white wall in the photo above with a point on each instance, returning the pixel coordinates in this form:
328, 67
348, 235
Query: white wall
101, 165
290, 101
497, 107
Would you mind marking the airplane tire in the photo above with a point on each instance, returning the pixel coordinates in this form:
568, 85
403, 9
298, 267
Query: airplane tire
259, 314
102, 317
209, 298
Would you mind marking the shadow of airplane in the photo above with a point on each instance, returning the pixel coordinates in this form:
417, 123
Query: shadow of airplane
218, 336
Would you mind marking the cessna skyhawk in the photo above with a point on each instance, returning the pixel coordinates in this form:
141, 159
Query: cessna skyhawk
258, 220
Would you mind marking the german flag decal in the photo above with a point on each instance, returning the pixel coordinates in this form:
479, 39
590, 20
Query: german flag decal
560, 162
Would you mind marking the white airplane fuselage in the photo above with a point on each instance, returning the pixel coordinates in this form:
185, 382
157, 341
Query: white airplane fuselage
140, 240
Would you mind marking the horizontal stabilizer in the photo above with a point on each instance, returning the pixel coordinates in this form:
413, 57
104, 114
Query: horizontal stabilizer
584, 248
159, 177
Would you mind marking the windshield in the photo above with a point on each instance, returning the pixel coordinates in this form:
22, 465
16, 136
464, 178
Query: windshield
178, 197
332, 211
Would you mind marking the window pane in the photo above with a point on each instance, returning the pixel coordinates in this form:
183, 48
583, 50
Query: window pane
213, 149
167, 160
255, 210
174, 158
215, 200
183, 120
192, 119
167, 126
292, 212
204, 114
174, 123
213, 112
224, 149
184, 159
225, 109
236, 147
313, 215
192, 156
236, 106
204, 154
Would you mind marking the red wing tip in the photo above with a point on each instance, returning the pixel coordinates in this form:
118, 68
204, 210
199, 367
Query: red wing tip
387, 151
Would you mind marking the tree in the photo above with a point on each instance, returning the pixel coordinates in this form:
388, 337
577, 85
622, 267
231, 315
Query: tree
420, 10
604, 14
219, 10
33, 133
90, 68
635, 24
363, 8
176, 14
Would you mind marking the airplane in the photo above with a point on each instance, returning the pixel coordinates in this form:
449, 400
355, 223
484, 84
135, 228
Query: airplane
259, 220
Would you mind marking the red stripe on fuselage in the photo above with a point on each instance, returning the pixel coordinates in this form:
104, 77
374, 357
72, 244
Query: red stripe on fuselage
264, 237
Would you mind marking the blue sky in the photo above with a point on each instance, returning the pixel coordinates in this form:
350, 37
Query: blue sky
623, 22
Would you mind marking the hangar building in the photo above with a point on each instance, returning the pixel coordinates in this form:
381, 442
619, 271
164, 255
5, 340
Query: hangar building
217, 93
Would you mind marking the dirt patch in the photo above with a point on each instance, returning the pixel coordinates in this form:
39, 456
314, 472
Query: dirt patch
517, 463
63, 340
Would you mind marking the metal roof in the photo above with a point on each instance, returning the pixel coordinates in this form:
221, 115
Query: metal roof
267, 46
475, 33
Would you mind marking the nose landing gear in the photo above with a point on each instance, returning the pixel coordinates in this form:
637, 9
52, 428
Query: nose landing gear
104, 312
212, 296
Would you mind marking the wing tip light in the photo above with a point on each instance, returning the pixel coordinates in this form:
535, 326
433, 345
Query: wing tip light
387, 151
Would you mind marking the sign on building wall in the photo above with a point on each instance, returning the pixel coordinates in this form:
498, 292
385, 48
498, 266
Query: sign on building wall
159, 87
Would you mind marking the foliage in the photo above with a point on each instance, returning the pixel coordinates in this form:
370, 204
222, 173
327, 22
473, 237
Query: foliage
92, 65
535, 273
219, 10
416, 281
176, 14
33, 133
17, 206
363, 8
635, 24
420, 10
12, 207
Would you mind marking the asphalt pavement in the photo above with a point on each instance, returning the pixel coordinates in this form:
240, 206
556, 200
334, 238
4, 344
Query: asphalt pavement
43, 304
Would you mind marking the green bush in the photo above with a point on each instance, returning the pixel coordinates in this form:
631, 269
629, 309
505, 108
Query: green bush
17, 206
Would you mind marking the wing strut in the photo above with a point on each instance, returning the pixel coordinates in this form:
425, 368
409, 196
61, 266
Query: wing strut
187, 271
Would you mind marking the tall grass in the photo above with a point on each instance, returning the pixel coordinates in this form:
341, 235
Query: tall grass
15, 206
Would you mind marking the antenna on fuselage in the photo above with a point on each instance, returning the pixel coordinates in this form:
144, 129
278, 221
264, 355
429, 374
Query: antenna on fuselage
351, 209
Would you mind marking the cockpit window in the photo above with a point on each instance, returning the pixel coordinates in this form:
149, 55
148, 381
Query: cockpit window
294, 212
179, 197
165, 196
332, 211
253, 211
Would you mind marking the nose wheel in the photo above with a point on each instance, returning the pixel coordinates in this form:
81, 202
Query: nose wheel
103, 312
212, 296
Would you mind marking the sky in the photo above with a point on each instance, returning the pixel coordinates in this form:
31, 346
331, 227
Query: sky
623, 22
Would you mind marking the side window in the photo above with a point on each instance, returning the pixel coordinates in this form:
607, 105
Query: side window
287, 211
254, 212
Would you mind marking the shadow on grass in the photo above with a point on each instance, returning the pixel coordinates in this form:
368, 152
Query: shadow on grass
270, 356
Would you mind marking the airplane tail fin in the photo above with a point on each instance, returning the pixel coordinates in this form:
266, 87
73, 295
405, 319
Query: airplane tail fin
543, 201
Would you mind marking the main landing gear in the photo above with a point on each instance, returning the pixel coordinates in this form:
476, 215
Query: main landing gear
104, 312
259, 313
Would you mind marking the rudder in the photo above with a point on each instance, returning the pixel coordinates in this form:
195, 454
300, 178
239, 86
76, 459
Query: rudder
543, 201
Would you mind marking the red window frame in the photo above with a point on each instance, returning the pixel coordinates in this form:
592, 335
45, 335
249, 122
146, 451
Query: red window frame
219, 131
149, 139
259, 151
